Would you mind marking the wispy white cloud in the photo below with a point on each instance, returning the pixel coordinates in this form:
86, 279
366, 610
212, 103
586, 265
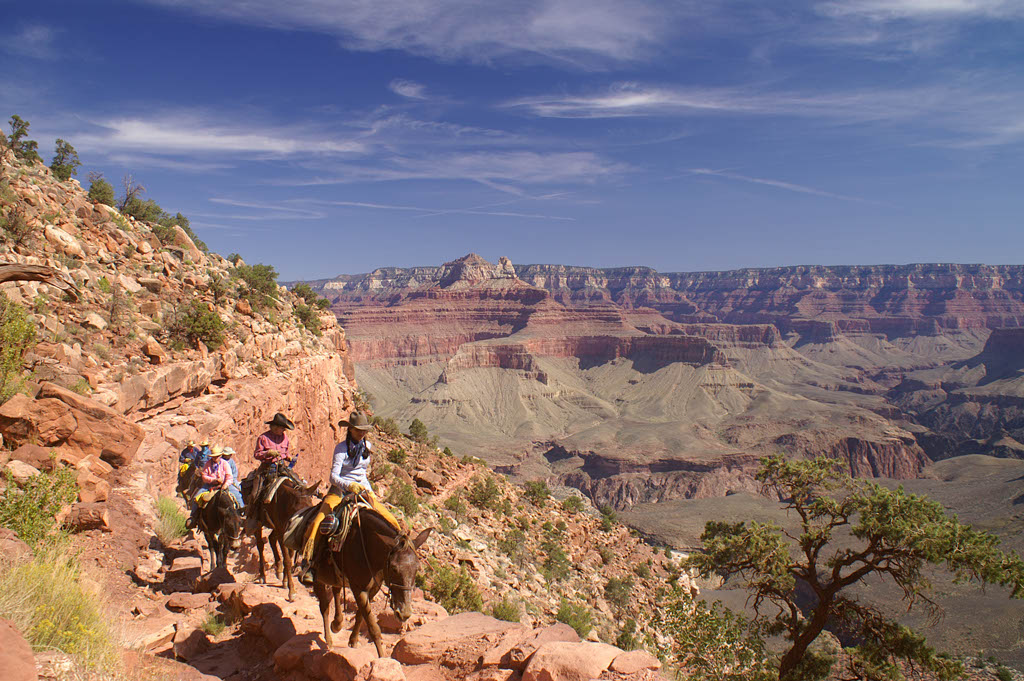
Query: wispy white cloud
189, 134
883, 10
487, 167
184, 166
408, 88
577, 31
432, 212
965, 109
35, 41
778, 184
264, 210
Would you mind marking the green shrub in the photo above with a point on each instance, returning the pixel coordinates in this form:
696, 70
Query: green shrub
404, 497
30, 509
213, 625
418, 431
513, 544
387, 426
617, 590
446, 523
65, 161
606, 554
576, 615
197, 322
170, 524
484, 493
455, 504
100, 190
45, 600
24, 149
572, 504
643, 570
556, 565
103, 284
607, 524
261, 284
397, 456
448, 452
146, 210
453, 588
82, 387
537, 491
17, 335
308, 317
713, 642
15, 227
627, 639
1004, 674
506, 610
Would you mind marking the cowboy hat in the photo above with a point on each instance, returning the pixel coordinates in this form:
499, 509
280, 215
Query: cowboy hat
216, 451
357, 420
228, 451
281, 420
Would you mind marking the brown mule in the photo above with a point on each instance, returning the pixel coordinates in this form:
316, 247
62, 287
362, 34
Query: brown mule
374, 554
221, 524
289, 499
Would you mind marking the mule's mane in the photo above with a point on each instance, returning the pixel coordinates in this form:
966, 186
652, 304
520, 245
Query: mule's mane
378, 525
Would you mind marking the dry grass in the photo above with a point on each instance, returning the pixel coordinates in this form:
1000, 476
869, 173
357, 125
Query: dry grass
44, 598
170, 521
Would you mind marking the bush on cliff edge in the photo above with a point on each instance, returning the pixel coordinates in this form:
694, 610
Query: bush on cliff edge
17, 334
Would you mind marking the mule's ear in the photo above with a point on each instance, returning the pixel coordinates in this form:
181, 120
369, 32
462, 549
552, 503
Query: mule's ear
422, 537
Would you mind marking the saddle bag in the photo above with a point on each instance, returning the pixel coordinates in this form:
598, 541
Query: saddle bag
295, 532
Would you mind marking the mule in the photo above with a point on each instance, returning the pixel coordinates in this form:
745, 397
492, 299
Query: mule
373, 555
289, 499
221, 524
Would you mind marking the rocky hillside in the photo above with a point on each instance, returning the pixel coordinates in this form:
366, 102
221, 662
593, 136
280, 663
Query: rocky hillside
144, 341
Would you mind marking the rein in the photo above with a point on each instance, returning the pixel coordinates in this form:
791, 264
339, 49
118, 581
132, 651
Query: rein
386, 585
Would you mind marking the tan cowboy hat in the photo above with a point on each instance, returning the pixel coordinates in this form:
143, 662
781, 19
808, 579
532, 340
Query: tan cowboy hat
227, 451
216, 451
357, 420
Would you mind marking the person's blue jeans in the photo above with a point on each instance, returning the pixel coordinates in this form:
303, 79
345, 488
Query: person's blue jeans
236, 492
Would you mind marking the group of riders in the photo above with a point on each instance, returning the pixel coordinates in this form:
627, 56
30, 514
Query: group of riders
206, 470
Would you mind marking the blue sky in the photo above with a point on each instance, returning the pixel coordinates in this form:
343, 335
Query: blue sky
336, 136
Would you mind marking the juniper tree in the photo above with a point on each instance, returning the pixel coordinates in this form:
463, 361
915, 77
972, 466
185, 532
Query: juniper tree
100, 190
892, 534
65, 161
25, 149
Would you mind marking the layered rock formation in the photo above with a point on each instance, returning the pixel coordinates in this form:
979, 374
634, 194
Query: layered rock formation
663, 386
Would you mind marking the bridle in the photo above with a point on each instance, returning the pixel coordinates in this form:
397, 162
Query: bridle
386, 586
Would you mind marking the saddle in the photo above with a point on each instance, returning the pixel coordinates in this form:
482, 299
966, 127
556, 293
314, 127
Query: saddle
203, 498
334, 527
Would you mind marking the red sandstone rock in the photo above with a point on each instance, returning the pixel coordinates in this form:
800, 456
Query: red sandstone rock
518, 656
458, 640
291, 654
634, 661
382, 669
182, 600
15, 654
344, 664
570, 661
86, 516
61, 418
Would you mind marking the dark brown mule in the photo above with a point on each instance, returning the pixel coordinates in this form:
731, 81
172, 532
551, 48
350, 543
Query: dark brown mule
374, 554
221, 524
289, 499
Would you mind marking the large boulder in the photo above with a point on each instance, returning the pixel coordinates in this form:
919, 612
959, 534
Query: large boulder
517, 657
15, 654
570, 661
455, 641
59, 417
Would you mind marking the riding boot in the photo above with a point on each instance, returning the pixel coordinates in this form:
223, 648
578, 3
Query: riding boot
308, 575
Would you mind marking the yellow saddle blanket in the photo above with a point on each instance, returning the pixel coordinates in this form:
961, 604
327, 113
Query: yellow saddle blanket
203, 498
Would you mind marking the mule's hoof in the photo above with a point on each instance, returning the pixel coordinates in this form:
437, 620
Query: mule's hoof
335, 627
